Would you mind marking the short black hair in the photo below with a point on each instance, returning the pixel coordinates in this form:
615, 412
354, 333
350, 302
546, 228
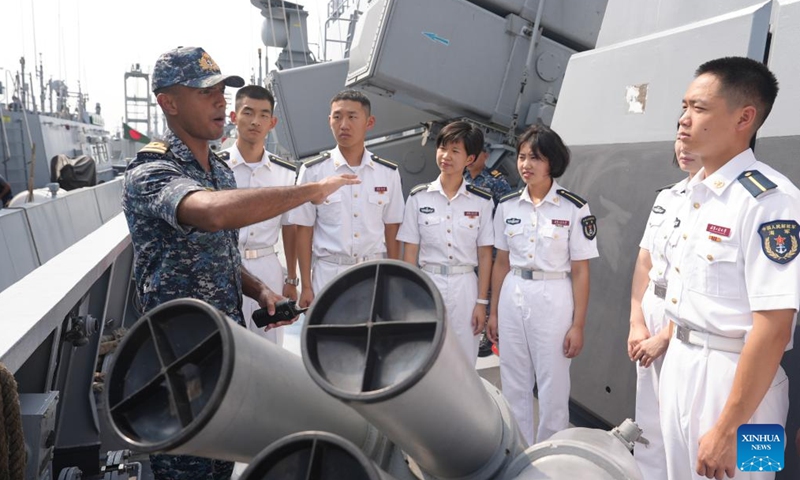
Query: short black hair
256, 92
744, 81
471, 135
546, 143
354, 96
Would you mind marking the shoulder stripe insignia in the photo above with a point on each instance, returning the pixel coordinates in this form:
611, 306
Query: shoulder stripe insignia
155, 147
283, 163
224, 156
755, 182
384, 162
479, 192
418, 188
576, 200
318, 159
665, 187
511, 195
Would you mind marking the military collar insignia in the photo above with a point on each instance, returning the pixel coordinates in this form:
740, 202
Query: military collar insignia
779, 240
589, 226
513, 221
658, 209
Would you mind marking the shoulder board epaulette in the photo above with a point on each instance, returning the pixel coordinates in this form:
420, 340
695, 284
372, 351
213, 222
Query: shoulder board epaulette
510, 196
496, 173
576, 200
665, 187
318, 159
283, 163
385, 163
155, 147
479, 192
224, 156
418, 188
755, 182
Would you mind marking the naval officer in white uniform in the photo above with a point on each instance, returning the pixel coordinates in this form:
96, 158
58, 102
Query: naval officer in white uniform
357, 223
545, 236
254, 166
448, 225
649, 330
734, 286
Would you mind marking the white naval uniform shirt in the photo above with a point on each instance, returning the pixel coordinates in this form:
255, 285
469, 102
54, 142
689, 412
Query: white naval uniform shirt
721, 269
267, 174
660, 227
448, 231
351, 220
544, 237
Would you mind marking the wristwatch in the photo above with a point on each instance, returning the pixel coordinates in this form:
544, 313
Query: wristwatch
291, 281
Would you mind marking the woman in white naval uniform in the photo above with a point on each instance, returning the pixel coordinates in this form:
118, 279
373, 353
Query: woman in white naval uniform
545, 236
649, 333
448, 223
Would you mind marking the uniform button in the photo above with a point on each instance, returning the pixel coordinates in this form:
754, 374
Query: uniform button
448, 230
426, 222
531, 239
449, 245
448, 217
355, 195
677, 269
662, 257
674, 300
450, 257
660, 273
696, 205
355, 235
685, 236
470, 225
555, 236
710, 257
448, 204
355, 214
252, 233
380, 202
530, 256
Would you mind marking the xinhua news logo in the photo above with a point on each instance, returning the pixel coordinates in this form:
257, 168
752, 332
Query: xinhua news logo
760, 448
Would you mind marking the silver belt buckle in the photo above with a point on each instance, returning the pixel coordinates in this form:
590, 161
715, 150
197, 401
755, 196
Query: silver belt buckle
526, 274
660, 290
682, 334
250, 254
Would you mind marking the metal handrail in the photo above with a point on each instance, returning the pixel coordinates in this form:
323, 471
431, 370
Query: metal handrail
36, 305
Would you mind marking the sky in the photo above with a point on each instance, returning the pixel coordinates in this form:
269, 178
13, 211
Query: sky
97, 41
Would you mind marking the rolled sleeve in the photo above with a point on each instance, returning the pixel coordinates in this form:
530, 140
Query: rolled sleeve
500, 241
580, 247
156, 189
409, 230
771, 285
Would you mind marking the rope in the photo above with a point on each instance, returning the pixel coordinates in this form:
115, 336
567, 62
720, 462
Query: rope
12, 440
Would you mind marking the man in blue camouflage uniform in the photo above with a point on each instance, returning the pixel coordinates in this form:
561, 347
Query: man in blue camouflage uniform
477, 174
184, 212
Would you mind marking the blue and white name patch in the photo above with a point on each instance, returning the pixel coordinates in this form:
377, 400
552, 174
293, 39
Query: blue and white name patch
759, 448
779, 240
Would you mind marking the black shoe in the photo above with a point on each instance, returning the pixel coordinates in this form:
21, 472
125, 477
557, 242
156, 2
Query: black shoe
485, 346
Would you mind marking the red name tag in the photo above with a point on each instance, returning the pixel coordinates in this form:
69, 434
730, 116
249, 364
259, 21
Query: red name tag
381, 189
724, 231
561, 223
471, 214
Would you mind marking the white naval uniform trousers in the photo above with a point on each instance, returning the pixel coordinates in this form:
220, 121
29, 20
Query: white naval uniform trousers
350, 223
721, 273
660, 227
449, 232
535, 315
253, 238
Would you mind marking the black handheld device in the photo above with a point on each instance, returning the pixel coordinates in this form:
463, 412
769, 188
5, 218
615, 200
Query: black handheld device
284, 310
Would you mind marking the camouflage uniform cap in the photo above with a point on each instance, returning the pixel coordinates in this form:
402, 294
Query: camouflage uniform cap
192, 67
